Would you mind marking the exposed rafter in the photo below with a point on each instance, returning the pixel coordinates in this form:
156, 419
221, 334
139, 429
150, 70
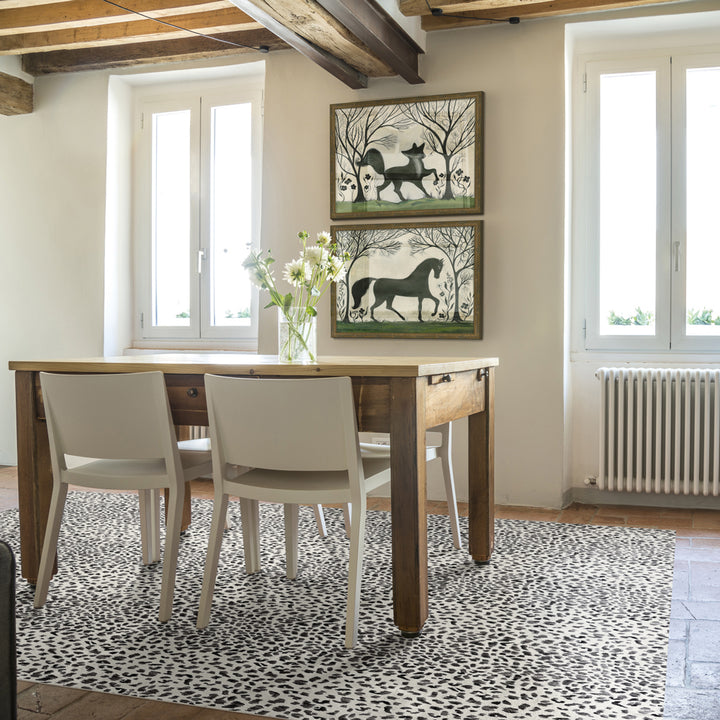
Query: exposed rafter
16, 96
463, 13
355, 40
311, 22
383, 36
97, 58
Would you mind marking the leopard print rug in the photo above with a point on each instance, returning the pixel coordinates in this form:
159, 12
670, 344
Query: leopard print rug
567, 622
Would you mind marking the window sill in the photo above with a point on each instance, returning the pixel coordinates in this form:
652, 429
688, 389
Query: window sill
142, 347
647, 357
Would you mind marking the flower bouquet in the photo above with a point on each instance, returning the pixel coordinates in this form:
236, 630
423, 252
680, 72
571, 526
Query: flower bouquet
310, 275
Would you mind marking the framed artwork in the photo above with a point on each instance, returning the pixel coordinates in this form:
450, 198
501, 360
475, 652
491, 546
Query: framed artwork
414, 280
409, 157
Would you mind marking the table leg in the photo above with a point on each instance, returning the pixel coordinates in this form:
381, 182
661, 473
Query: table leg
34, 475
409, 521
481, 468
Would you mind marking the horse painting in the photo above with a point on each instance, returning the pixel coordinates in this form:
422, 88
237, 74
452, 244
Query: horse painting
416, 284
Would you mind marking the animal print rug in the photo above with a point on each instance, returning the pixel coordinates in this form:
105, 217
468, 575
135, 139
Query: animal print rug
566, 622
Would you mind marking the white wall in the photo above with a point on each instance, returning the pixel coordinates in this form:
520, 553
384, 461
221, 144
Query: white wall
52, 205
52, 208
520, 68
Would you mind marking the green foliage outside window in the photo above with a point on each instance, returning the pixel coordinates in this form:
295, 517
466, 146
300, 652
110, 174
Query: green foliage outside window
702, 317
641, 317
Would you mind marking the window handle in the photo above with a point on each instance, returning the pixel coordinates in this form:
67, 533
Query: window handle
201, 257
676, 255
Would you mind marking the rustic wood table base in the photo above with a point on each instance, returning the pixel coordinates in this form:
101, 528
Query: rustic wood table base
402, 396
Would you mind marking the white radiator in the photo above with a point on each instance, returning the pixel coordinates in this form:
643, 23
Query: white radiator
660, 430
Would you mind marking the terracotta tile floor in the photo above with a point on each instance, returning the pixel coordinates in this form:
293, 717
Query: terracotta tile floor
693, 678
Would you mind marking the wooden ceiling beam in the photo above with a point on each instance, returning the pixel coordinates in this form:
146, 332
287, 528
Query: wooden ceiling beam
62, 61
336, 66
529, 9
382, 35
213, 23
81, 13
16, 95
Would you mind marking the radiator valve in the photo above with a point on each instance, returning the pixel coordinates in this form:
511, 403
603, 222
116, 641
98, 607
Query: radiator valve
591, 480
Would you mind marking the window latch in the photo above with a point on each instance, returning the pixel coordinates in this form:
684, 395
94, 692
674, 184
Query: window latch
676, 255
201, 257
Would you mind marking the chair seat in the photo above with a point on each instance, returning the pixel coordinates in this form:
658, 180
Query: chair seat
378, 444
277, 486
89, 472
198, 445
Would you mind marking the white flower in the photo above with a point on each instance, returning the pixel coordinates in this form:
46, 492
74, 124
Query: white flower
259, 277
296, 272
315, 256
338, 267
324, 238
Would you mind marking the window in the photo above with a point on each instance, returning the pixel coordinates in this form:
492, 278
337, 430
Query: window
197, 185
649, 214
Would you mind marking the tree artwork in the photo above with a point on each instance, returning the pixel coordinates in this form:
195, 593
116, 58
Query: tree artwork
360, 243
416, 280
356, 128
416, 156
458, 246
448, 127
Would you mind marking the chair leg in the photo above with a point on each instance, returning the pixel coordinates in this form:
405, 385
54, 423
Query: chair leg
347, 517
172, 546
47, 559
211, 559
291, 539
320, 520
449, 479
250, 515
150, 524
357, 542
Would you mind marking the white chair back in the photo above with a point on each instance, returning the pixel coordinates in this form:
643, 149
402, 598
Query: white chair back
117, 416
290, 424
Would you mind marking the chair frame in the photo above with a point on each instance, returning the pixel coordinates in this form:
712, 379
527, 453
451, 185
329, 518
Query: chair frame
122, 424
434, 454
291, 478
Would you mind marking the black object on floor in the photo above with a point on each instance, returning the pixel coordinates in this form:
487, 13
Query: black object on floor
8, 668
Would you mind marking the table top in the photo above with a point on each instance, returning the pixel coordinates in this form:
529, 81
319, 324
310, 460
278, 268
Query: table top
249, 364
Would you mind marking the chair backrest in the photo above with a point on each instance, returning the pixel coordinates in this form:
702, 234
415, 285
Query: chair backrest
283, 424
120, 416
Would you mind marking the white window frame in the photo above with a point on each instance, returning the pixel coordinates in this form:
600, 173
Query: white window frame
200, 98
670, 311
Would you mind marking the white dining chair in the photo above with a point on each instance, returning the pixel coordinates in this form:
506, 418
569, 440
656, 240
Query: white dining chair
375, 447
115, 431
300, 438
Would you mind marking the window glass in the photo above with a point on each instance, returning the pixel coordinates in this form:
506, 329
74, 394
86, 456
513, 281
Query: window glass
703, 200
231, 214
627, 203
171, 218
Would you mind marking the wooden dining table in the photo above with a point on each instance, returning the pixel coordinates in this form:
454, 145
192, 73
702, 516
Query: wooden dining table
401, 395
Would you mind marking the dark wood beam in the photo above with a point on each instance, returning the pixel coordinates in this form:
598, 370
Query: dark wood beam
335, 66
371, 24
16, 95
149, 53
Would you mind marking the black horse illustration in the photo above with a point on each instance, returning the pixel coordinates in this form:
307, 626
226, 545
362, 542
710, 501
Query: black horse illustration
416, 284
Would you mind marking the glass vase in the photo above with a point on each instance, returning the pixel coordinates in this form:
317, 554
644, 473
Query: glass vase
297, 336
